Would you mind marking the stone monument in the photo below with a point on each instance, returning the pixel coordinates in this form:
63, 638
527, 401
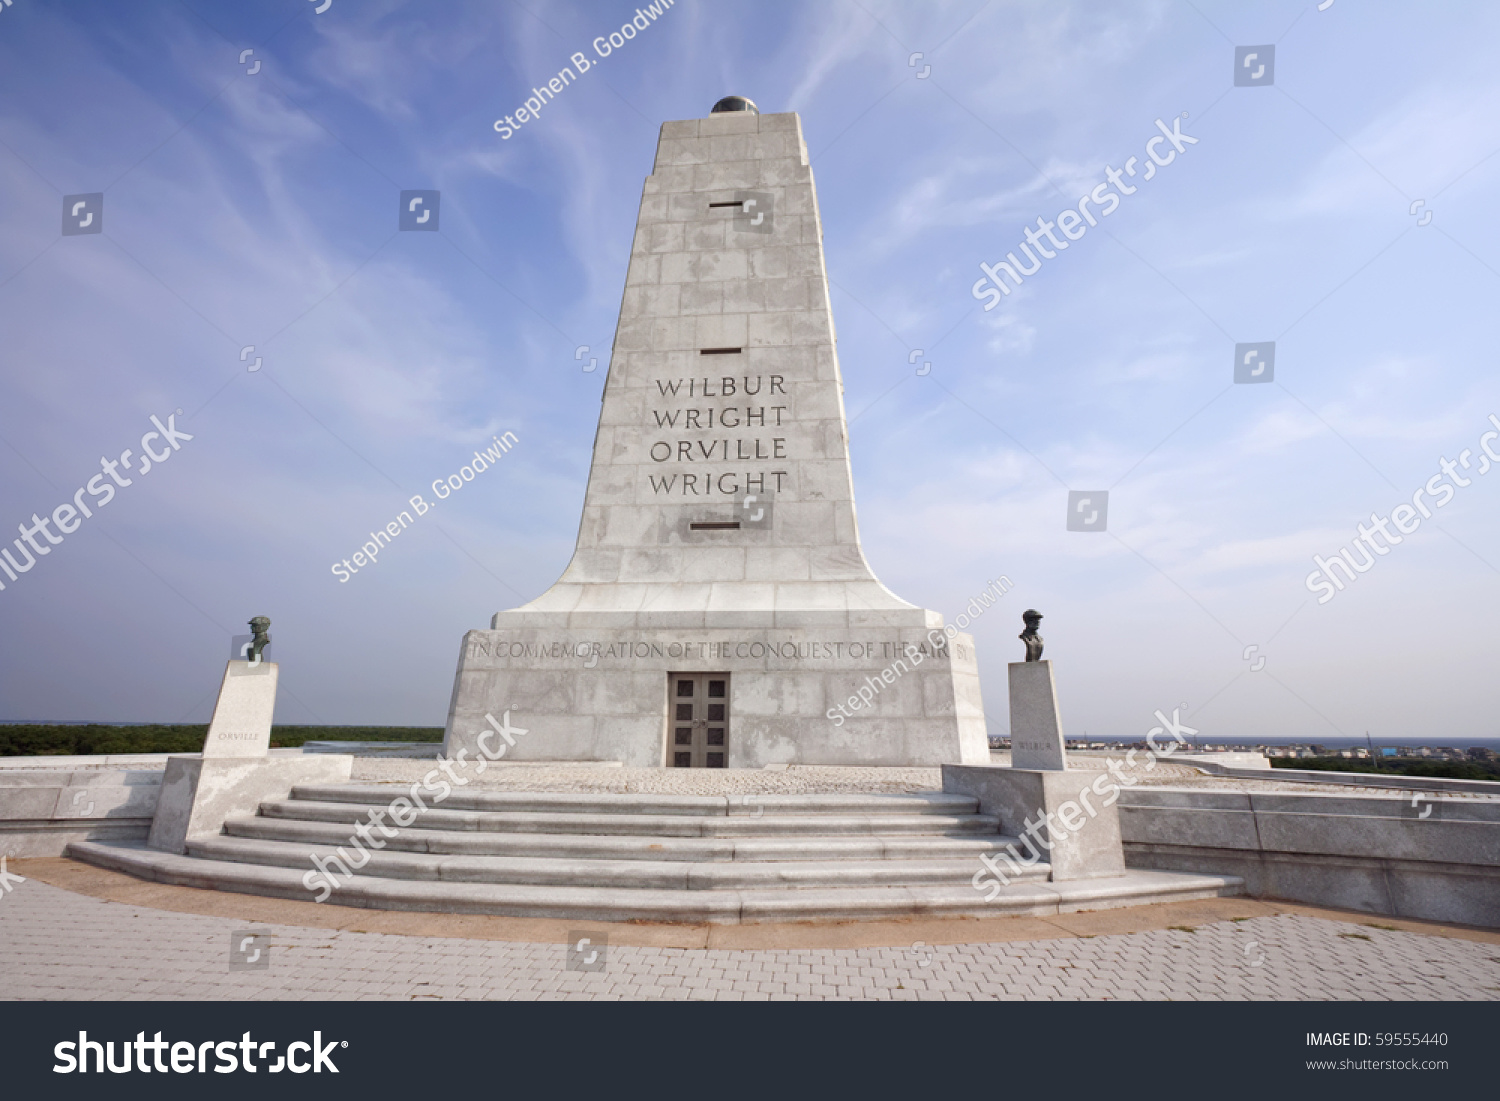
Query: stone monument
718, 610
235, 772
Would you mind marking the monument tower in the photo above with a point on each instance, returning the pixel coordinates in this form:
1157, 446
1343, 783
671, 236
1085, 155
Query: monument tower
718, 610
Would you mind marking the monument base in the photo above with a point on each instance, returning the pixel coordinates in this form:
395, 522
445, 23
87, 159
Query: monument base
198, 793
1070, 813
805, 695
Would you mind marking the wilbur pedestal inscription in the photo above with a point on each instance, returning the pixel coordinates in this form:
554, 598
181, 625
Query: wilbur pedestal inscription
718, 604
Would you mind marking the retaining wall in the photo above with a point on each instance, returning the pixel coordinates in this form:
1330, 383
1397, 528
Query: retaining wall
1419, 856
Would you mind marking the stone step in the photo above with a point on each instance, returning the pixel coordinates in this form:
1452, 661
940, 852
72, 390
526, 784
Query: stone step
632, 874
585, 847
655, 825
1029, 896
595, 803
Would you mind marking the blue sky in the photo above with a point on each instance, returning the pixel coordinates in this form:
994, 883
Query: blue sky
260, 209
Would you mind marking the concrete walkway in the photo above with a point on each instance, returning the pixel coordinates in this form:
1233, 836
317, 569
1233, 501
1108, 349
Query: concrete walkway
71, 932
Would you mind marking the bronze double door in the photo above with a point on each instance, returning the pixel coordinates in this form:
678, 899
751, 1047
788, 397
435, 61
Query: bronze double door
699, 707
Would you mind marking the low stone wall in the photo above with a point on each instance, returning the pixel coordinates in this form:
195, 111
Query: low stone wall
46, 802
1414, 856
1386, 780
42, 810
1258, 762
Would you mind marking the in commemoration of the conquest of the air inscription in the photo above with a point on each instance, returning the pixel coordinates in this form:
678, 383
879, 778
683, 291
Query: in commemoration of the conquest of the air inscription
486, 645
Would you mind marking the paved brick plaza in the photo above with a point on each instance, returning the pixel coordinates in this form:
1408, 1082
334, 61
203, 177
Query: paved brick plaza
59, 944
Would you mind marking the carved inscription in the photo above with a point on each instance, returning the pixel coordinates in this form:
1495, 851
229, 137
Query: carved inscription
733, 420
603, 652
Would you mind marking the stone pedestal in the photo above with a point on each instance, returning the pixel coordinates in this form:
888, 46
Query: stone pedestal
1036, 737
234, 774
198, 793
241, 725
602, 694
1071, 814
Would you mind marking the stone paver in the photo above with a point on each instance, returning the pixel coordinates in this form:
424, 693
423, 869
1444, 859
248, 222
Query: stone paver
58, 945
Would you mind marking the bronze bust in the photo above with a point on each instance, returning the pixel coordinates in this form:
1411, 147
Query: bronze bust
1033, 641
260, 640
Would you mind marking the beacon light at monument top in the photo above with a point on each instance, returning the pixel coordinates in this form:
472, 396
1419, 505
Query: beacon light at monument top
718, 603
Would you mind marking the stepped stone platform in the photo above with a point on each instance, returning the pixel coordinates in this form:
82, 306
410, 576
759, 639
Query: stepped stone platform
668, 858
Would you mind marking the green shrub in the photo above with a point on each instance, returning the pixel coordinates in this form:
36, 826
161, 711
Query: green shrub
1397, 766
46, 740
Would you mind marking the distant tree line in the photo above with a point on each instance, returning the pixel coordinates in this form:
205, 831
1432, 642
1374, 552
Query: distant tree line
1398, 766
46, 739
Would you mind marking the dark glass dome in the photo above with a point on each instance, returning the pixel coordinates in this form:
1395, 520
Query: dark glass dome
734, 103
